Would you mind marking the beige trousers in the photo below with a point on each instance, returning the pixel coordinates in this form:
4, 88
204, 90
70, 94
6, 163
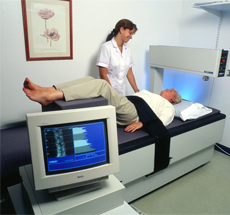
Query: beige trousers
89, 87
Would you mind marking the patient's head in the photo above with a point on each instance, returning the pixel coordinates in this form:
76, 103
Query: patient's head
171, 95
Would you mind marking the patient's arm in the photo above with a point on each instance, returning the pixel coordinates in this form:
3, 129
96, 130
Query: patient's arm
133, 127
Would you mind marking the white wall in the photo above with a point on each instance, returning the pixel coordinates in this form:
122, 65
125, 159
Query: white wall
198, 29
220, 98
160, 22
157, 21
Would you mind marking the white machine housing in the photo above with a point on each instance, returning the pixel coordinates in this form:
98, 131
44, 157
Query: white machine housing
188, 150
206, 62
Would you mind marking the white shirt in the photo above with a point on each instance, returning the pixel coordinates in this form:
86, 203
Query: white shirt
161, 106
117, 63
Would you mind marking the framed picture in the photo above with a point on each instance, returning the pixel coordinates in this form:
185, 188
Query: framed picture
48, 29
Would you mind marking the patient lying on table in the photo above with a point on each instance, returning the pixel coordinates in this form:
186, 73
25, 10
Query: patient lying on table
89, 87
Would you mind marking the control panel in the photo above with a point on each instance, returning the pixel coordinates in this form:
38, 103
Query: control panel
223, 63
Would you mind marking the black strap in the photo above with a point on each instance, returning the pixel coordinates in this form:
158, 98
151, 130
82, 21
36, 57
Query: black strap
154, 127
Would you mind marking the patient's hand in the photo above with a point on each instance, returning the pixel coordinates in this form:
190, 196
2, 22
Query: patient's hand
133, 127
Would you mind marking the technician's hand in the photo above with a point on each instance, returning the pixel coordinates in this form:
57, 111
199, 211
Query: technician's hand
133, 127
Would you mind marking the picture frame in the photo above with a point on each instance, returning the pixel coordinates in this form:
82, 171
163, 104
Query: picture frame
48, 29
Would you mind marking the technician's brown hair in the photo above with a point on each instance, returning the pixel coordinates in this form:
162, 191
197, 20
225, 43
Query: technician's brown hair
126, 24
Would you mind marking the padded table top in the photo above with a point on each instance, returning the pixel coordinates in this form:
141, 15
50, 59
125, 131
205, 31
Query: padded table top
131, 141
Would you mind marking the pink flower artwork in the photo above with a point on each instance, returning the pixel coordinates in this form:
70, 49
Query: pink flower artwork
46, 13
52, 34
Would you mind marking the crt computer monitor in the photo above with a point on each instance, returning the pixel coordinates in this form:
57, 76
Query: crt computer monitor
73, 148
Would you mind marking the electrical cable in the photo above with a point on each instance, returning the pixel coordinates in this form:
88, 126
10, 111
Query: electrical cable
222, 150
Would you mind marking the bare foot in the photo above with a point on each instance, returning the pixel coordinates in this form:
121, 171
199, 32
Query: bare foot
28, 84
43, 97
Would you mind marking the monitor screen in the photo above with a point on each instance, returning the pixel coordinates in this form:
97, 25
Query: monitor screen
75, 146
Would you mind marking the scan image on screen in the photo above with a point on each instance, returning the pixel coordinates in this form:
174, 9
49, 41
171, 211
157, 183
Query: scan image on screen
74, 146
81, 141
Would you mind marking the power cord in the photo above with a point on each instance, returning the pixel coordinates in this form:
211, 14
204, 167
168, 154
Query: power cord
222, 150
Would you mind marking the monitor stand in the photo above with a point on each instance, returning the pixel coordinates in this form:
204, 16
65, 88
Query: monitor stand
65, 194
68, 191
111, 195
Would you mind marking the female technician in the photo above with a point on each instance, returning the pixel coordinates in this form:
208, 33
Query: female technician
114, 58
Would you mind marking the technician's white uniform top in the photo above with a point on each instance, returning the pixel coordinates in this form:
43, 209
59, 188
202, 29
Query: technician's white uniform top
161, 106
117, 63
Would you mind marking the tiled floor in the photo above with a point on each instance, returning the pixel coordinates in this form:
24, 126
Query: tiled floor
203, 191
